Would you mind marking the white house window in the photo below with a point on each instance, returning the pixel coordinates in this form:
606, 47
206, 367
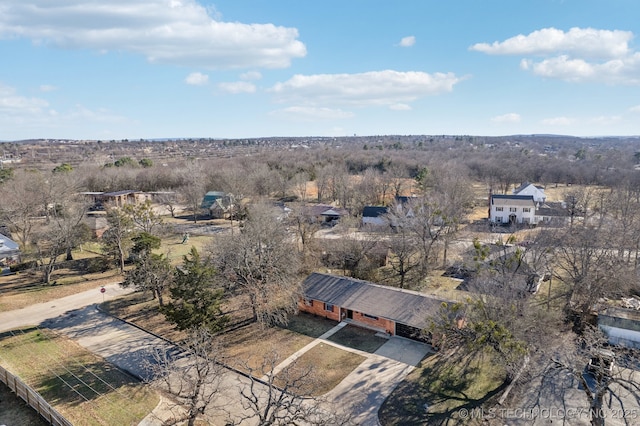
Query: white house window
526, 209
499, 209
328, 307
513, 209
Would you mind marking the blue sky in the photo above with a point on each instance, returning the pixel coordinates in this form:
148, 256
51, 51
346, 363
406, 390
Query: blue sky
96, 69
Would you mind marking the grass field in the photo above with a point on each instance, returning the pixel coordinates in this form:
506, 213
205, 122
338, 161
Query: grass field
83, 387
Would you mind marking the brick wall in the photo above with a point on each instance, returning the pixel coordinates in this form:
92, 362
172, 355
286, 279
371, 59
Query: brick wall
318, 308
381, 323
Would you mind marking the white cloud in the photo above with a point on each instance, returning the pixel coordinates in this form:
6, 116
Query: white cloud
13, 104
616, 71
251, 75
635, 108
578, 55
47, 88
604, 120
100, 115
177, 32
308, 113
197, 79
558, 121
365, 89
511, 117
586, 42
408, 41
237, 87
400, 107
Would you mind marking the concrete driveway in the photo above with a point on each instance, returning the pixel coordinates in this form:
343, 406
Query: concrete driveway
364, 390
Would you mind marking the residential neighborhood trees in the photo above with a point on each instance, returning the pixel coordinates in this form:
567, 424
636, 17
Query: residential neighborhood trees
515, 291
261, 262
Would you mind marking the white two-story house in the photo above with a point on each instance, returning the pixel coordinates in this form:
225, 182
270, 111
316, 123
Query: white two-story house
531, 189
512, 209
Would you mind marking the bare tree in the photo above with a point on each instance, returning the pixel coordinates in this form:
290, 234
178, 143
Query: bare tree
591, 268
403, 258
284, 396
117, 239
169, 199
21, 204
64, 232
261, 262
193, 189
153, 273
192, 376
143, 217
605, 384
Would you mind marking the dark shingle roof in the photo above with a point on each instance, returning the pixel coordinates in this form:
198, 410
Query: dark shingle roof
519, 200
403, 306
374, 211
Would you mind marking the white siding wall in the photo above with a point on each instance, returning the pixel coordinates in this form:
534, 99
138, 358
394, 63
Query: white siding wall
621, 336
522, 216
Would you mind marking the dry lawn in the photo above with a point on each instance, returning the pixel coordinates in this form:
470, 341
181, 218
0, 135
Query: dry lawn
326, 367
81, 386
139, 309
248, 346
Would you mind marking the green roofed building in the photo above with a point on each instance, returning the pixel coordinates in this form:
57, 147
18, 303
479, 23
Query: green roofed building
210, 198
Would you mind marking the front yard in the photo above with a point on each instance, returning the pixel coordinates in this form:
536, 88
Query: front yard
438, 391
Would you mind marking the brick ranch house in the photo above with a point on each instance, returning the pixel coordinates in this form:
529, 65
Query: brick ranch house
395, 311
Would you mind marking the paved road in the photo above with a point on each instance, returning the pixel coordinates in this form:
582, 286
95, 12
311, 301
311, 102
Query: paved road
35, 314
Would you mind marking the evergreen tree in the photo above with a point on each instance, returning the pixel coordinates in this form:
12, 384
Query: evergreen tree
195, 301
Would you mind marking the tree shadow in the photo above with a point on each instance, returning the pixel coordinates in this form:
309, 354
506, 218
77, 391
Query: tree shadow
437, 391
